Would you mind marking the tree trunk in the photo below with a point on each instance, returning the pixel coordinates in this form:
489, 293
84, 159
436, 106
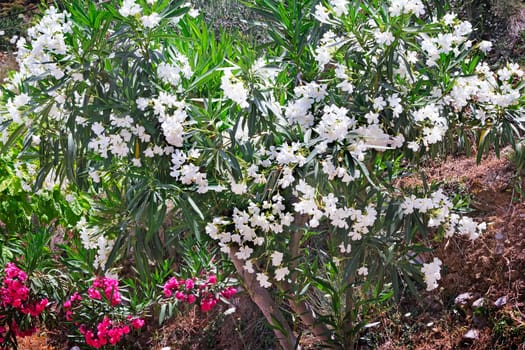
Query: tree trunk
262, 298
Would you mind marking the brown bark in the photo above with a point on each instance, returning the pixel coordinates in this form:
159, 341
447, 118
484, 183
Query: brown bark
299, 306
262, 298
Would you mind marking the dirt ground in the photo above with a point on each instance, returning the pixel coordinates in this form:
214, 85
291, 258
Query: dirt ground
491, 269
7, 63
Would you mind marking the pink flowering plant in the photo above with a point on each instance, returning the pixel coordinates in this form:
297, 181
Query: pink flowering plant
99, 316
20, 308
203, 290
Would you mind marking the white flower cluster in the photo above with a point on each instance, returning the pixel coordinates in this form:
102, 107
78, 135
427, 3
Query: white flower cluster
332, 171
432, 273
318, 207
334, 124
400, 7
434, 124
490, 91
444, 43
92, 238
172, 73
234, 89
184, 169
439, 207
262, 78
130, 8
329, 45
298, 110
465, 226
47, 40
249, 229
336, 7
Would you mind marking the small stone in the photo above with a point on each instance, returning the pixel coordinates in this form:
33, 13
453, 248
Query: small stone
499, 236
463, 298
478, 303
75, 348
501, 302
472, 334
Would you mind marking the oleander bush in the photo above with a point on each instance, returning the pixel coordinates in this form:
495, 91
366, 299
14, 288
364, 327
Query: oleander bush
281, 163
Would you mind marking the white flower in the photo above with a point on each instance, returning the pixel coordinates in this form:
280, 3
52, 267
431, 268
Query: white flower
95, 175
248, 266
449, 18
362, 271
432, 273
130, 8
142, 103
395, 103
463, 29
383, 37
234, 89
277, 258
409, 204
334, 124
238, 188
399, 7
263, 280
485, 46
281, 273
468, 227
379, 103
322, 14
193, 12
150, 21
244, 253
340, 7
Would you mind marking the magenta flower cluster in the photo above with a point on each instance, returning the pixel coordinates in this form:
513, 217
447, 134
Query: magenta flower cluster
108, 331
202, 291
15, 298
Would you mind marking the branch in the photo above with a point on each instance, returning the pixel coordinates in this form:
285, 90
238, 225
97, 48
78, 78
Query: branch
262, 298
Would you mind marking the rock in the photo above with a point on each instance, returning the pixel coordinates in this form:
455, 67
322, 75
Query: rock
501, 302
478, 303
472, 334
463, 298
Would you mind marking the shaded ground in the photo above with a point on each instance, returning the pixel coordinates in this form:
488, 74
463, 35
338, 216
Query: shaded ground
7, 63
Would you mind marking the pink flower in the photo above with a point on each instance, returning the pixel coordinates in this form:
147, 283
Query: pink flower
229, 292
180, 295
137, 323
212, 279
189, 284
191, 299
94, 293
208, 304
